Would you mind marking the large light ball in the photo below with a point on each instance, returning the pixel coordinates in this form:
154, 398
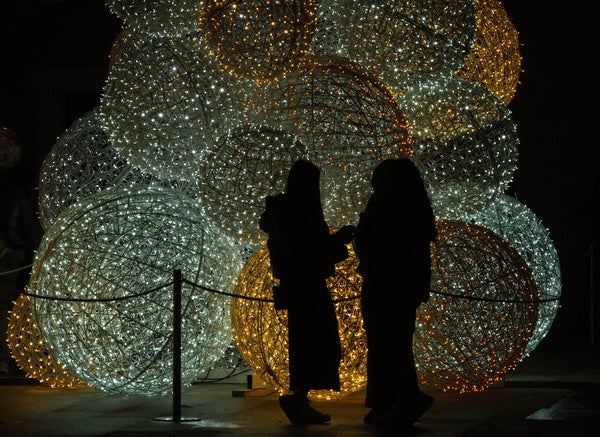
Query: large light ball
348, 121
261, 39
157, 17
83, 162
404, 42
250, 163
465, 143
494, 60
520, 227
164, 103
120, 247
28, 347
481, 315
261, 332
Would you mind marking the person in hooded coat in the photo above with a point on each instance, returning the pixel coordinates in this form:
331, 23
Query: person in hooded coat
303, 255
392, 243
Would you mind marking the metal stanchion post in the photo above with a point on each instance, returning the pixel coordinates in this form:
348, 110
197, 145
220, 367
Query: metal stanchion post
176, 417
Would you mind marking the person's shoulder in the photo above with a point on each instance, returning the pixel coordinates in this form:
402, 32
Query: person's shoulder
275, 200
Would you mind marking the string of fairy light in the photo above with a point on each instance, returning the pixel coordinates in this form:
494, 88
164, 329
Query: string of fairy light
205, 106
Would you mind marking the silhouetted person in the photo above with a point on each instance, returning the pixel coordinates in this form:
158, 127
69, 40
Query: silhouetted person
392, 242
303, 254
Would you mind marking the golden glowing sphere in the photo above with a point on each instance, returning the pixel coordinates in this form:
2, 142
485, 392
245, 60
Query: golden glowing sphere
261, 332
260, 39
468, 341
494, 60
30, 351
347, 120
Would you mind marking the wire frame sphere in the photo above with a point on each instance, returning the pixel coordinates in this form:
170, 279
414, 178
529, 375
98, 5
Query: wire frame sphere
465, 144
261, 332
249, 164
164, 103
83, 162
10, 148
260, 39
404, 42
347, 119
469, 336
494, 60
29, 349
520, 227
118, 249
157, 17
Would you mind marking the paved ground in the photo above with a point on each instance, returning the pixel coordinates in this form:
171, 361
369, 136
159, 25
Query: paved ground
555, 392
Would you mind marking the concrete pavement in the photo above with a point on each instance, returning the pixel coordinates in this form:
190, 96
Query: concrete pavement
555, 392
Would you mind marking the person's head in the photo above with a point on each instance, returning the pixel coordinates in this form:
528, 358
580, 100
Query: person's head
303, 180
397, 177
10, 148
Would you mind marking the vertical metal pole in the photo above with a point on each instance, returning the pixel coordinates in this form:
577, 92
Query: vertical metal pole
592, 292
177, 345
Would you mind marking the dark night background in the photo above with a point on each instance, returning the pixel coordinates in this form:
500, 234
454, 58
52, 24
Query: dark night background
54, 58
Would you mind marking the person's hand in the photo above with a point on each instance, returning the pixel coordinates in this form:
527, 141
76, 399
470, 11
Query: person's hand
346, 233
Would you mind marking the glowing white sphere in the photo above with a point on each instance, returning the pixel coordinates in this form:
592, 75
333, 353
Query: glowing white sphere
122, 245
163, 104
29, 349
82, 162
157, 17
469, 337
247, 165
404, 42
261, 331
520, 227
347, 119
465, 143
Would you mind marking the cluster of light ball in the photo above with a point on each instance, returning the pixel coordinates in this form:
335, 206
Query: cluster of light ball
82, 162
120, 247
348, 121
261, 332
157, 17
260, 39
464, 142
402, 41
250, 163
164, 103
520, 227
494, 60
467, 343
29, 349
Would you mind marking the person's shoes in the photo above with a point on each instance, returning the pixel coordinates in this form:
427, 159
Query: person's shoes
370, 417
314, 417
422, 404
292, 409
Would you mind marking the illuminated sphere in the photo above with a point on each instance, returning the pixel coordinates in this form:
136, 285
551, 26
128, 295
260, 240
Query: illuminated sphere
82, 162
261, 332
29, 349
260, 39
465, 143
494, 60
348, 121
157, 17
163, 104
461, 343
123, 242
520, 227
249, 164
10, 148
404, 42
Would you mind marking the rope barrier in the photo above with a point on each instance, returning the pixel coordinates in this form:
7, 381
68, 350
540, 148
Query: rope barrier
68, 299
18, 269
